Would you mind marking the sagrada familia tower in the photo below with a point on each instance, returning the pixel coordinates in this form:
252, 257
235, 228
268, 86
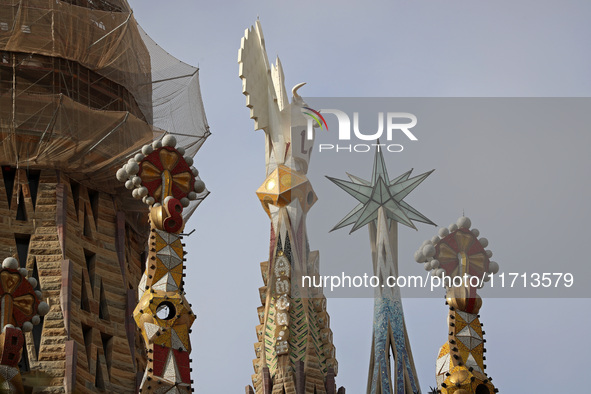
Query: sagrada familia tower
98, 130
294, 351
82, 90
381, 207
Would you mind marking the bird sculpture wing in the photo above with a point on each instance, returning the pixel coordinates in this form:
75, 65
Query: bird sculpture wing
266, 97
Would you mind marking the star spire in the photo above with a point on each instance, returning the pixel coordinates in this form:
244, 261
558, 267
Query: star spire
381, 192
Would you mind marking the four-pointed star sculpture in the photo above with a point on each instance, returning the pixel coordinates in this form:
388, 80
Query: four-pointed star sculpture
381, 192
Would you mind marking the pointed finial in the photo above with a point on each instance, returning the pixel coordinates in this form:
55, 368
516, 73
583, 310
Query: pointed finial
296, 97
379, 166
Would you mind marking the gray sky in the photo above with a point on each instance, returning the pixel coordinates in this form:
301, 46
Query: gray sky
526, 190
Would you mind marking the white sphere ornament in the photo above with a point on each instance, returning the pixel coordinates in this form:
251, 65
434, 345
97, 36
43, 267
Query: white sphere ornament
493, 267
199, 186
434, 263
489, 253
192, 196
136, 180
443, 232
132, 168
156, 205
181, 150
464, 222
195, 171
27, 326
484, 242
43, 308
440, 272
427, 266
147, 149
452, 227
36, 319
486, 277
121, 175
39, 294
169, 140
419, 258
33, 282
156, 144
189, 160
135, 194
428, 250
23, 271
185, 202
435, 239
150, 200
476, 232
10, 262
142, 191
139, 157
129, 184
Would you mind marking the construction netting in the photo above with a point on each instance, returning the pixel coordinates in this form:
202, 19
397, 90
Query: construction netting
83, 87
176, 98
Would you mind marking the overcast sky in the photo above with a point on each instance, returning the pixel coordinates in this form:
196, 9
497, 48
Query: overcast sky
524, 188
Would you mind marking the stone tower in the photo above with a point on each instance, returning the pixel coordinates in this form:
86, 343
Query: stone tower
381, 207
78, 98
294, 349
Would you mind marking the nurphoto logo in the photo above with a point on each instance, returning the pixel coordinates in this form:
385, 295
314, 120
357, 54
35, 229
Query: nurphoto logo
397, 124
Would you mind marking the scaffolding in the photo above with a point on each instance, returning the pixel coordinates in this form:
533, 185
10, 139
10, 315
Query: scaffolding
83, 87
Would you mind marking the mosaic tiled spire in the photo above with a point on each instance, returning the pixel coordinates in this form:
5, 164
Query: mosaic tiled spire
294, 351
381, 206
165, 181
20, 309
458, 253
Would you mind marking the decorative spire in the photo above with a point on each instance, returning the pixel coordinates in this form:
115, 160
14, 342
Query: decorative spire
381, 206
22, 308
457, 256
165, 181
294, 351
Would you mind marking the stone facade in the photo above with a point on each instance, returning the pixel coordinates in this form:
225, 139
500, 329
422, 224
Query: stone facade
87, 259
